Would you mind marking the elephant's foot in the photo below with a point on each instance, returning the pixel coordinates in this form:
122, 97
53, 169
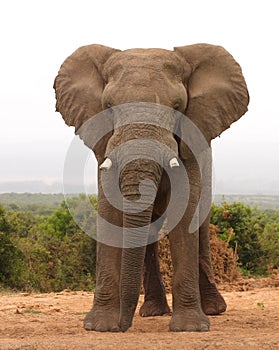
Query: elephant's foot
126, 322
102, 320
154, 308
189, 321
212, 301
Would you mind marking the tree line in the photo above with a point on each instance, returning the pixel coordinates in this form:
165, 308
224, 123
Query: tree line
48, 252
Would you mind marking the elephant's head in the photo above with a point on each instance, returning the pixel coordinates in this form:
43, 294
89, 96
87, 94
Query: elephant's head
201, 81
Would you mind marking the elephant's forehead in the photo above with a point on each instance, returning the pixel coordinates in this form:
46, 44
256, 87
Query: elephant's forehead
147, 52
144, 58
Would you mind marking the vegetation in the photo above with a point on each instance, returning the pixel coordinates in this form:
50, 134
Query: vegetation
46, 204
37, 203
42, 248
262, 202
252, 233
45, 253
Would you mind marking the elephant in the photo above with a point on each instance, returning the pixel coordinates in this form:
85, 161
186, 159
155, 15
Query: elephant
200, 82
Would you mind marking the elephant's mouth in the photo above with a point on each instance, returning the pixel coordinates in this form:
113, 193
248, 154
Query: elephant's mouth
143, 121
137, 167
107, 164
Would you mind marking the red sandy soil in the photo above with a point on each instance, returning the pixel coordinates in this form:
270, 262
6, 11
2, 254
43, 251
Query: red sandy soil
54, 321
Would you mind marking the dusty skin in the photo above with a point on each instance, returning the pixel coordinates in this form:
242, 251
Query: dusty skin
54, 321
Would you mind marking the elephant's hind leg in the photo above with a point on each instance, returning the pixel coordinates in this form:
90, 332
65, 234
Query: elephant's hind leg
155, 302
211, 300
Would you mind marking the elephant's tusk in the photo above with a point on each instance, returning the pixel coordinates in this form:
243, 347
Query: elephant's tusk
174, 163
106, 165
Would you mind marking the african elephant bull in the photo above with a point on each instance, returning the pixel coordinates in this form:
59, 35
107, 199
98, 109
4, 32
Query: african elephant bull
201, 82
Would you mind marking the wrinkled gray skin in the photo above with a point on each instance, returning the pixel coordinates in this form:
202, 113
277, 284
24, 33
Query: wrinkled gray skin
206, 84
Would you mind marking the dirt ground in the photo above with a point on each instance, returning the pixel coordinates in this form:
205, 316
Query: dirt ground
54, 321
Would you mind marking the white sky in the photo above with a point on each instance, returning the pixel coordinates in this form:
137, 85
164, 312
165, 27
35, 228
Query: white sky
37, 36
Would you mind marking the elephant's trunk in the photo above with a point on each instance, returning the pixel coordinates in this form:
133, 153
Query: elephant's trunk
139, 184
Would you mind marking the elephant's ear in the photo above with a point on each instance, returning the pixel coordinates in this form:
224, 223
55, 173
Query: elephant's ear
217, 92
80, 83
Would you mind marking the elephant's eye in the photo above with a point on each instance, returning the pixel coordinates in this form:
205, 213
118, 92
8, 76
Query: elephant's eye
109, 107
176, 106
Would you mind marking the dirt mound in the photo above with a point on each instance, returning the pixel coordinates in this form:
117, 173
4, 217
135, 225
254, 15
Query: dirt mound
243, 284
224, 260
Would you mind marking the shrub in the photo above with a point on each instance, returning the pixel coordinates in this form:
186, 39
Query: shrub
46, 253
236, 225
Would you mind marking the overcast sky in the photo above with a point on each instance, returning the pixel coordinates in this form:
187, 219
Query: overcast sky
37, 36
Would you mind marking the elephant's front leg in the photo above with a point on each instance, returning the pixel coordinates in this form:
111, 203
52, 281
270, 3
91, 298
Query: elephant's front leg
104, 315
155, 301
184, 244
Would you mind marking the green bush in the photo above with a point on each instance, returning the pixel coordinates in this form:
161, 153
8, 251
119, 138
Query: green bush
236, 227
11, 266
48, 253
269, 240
253, 233
11, 257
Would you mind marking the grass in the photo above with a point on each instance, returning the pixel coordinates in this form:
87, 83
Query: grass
260, 304
32, 311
